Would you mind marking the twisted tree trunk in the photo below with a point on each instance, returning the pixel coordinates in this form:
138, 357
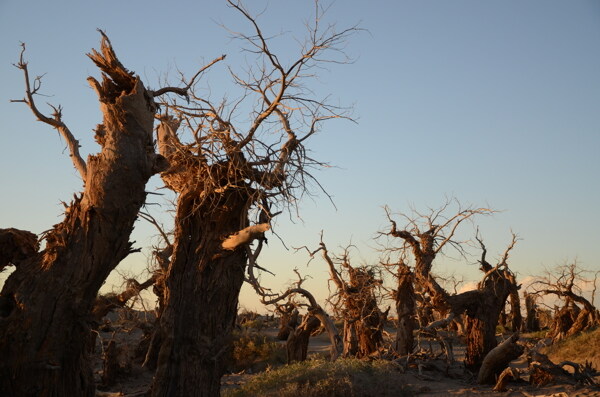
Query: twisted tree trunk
44, 337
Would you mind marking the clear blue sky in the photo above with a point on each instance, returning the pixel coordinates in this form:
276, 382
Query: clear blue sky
495, 103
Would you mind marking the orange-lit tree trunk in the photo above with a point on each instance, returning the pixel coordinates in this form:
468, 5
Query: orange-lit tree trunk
44, 337
228, 177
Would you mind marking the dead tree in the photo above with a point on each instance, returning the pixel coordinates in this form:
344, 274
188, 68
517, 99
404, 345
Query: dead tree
497, 360
45, 333
532, 320
405, 299
106, 303
298, 335
577, 313
425, 236
355, 302
516, 319
230, 180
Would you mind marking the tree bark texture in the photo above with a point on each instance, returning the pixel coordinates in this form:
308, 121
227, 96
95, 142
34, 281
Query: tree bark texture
365, 319
298, 339
44, 337
498, 359
201, 293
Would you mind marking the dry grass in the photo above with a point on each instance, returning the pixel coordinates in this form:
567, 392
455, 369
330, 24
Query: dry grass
312, 378
253, 352
579, 348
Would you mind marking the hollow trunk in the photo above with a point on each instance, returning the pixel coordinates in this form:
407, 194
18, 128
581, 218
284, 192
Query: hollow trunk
201, 290
45, 336
405, 307
297, 342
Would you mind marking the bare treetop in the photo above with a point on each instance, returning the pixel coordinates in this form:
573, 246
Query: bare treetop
254, 142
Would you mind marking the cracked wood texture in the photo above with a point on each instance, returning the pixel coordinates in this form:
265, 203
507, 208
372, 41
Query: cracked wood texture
45, 336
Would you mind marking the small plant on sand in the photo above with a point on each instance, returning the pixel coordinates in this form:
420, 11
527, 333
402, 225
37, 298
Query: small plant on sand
344, 377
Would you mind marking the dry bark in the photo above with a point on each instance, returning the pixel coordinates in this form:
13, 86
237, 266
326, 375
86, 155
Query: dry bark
357, 305
44, 337
578, 313
16, 246
227, 180
405, 307
297, 342
498, 359
482, 306
532, 321
104, 304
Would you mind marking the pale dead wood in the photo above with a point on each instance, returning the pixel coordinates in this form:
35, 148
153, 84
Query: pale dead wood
245, 236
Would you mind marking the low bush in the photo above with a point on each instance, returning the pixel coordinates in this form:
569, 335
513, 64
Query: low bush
254, 352
312, 378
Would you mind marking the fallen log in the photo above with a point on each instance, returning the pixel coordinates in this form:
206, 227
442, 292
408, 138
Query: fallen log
498, 359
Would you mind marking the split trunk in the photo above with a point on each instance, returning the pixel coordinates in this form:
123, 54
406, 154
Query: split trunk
45, 334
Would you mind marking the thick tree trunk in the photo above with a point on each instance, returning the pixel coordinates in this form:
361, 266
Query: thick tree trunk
297, 343
405, 307
481, 328
44, 338
202, 289
498, 359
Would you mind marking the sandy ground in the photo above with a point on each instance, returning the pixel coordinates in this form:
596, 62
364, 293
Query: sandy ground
428, 383
434, 383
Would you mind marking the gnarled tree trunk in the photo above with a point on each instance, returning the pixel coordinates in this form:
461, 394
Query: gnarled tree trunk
202, 289
405, 307
45, 336
297, 342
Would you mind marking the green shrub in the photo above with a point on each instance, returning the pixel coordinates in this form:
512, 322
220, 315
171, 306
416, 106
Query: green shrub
312, 378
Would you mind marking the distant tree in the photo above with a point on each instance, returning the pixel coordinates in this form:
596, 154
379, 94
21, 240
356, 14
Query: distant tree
45, 329
425, 236
532, 320
298, 334
577, 313
231, 179
355, 302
